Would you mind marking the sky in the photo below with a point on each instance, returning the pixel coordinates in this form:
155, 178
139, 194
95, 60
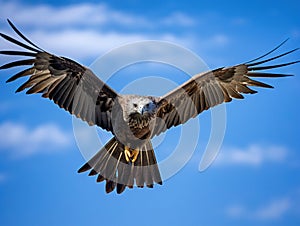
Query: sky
254, 179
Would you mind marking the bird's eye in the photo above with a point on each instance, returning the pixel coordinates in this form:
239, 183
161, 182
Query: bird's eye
135, 105
147, 105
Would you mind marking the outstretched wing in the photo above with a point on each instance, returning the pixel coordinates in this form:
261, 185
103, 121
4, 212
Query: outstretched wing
69, 84
209, 89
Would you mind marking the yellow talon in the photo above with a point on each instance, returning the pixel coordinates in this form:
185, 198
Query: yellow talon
131, 155
134, 155
127, 153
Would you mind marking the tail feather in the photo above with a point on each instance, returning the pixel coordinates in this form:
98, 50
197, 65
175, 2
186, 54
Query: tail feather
100, 178
95, 159
110, 186
152, 161
110, 165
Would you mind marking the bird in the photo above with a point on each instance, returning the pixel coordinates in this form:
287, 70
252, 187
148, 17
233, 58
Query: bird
128, 158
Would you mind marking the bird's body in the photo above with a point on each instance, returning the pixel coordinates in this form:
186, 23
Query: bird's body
128, 159
134, 119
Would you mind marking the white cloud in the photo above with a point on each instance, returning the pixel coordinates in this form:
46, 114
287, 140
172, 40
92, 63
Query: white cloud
270, 210
178, 18
254, 155
86, 30
76, 14
85, 14
273, 210
83, 44
219, 39
80, 30
20, 140
80, 44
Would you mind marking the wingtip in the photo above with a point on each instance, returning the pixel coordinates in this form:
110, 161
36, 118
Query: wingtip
8, 20
11, 23
268, 53
282, 75
9, 80
18, 90
288, 38
288, 75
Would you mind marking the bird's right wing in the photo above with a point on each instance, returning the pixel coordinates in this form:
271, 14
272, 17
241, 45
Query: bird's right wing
69, 84
208, 89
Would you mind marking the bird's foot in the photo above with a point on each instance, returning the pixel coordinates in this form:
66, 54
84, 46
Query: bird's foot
127, 153
134, 155
131, 155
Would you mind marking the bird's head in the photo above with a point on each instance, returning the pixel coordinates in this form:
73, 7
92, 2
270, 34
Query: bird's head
142, 105
135, 106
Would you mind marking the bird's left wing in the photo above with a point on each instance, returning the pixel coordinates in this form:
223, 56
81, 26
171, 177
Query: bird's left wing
69, 84
209, 89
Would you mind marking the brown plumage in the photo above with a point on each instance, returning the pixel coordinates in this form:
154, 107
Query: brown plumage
128, 159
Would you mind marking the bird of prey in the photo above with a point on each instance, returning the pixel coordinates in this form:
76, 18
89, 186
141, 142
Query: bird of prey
128, 159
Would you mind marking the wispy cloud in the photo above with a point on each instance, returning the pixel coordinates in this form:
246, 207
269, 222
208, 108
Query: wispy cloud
254, 155
76, 14
87, 14
68, 33
22, 141
179, 19
81, 44
273, 210
88, 30
219, 39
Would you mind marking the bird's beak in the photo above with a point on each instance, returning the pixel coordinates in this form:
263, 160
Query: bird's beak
141, 110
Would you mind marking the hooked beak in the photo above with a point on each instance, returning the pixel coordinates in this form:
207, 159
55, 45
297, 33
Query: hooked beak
141, 110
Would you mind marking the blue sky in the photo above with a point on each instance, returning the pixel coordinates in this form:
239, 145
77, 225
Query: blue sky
255, 179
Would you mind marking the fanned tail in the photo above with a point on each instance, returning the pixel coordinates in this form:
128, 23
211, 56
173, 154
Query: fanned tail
110, 164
